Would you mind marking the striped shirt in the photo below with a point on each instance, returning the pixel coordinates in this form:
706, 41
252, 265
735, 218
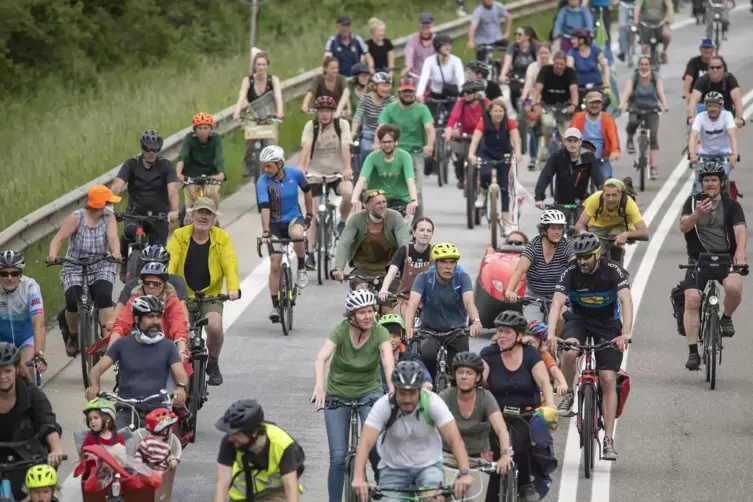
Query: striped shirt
154, 452
367, 112
542, 277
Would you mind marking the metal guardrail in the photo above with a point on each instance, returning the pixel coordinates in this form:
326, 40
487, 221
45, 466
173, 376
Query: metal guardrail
35, 226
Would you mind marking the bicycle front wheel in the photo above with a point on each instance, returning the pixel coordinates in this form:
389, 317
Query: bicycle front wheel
88, 329
292, 294
470, 195
439, 158
321, 250
283, 297
713, 333
494, 215
588, 422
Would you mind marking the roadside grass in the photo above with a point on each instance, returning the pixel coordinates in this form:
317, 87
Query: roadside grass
234, 148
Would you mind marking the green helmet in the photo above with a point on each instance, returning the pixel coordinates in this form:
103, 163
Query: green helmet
392, 319
101, 405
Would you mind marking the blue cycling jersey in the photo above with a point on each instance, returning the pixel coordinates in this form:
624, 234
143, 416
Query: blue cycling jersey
281, 196
16, 310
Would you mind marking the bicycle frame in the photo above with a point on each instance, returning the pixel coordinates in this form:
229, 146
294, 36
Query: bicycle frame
288, 291
440, 146
494, 197
442, 377
139, 243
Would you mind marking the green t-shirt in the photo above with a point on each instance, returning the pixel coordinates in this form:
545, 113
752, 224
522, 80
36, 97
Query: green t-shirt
411, 122
202, 158
653, 11
354, 371
392, 177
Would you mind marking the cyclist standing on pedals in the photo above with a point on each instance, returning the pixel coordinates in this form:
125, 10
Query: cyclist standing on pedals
370, 239
485, 30
463, 119
201, 155
146, 360
714, 224
257, 459
367, 112
407, 426
516, 390
599, 128
697, 67
446, 293
574, 170
542, 263
395, 324
653, 12
325, 151
91, 232
355, 349
599, 292
152, 187
713, 134
717, 80
481, 71
22, 313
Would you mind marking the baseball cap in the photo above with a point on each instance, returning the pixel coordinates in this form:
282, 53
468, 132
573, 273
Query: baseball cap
572, 132
343, 19
99, 196
594, 96
426, 18
205, 203
706, 42
407, 84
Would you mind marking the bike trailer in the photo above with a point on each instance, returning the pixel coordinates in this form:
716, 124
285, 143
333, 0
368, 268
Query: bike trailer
494, 274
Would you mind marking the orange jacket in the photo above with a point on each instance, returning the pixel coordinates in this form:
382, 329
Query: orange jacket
608, 130
173, 321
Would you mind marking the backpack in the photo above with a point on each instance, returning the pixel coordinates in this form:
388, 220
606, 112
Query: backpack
431, 280
335, 122
582, 18
635, 81
677, 298
423, 409
621, 209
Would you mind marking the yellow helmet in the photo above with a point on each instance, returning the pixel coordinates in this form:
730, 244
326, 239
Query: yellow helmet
445, 251
41, 476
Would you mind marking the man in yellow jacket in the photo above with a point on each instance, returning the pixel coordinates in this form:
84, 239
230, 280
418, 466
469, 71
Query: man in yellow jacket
203, 255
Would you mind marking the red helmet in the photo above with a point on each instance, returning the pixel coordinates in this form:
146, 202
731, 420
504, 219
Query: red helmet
160, 419
325, 102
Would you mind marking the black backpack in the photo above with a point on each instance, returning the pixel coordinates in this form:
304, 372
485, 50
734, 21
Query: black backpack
335, 122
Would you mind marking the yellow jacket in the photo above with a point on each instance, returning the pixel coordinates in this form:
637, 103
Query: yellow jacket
223, 262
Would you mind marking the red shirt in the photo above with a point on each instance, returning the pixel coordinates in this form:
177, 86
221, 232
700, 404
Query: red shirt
91, 440
511, 125
467, 115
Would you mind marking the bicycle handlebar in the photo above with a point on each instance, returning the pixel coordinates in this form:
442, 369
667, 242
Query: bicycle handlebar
743, 268
421, 332
526, 300
373, 279
25, 464
141, 217
266, 118
259, 243
332, 403
632, 240
86, 262
201, 181
135, 402
440, 101
377, 493
606, 344
209, 299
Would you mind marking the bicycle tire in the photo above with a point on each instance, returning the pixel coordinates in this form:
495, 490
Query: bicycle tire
283, 297
494, 216
321, 249
292, 294
643, 161
470, 195
445, 168
87, 335
329, 244
348, 494
441, 383
198, 382
134, 263
439, 157
588, 417
714, 331
509, 486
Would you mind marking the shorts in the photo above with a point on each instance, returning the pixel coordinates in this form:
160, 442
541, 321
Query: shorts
696, 279
203, 308
432, 475
281, 230
20, 342
646, 33
317, 188
580, 327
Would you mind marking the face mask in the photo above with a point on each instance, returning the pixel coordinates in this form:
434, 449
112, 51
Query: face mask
109, 208
152, 336
375, 218
644, 75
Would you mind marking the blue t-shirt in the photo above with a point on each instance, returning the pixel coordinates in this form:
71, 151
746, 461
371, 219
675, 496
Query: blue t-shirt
592, 132
587, 69
444, 310
16, 310
281, 197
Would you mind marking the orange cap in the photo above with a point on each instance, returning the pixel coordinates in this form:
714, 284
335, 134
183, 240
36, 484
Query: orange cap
100, 196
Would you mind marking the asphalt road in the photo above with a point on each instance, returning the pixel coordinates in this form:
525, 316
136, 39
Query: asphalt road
677, 440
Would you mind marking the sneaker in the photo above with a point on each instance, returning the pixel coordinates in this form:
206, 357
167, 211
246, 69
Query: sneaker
609, 453
340, 227
532, 165
566, 405
460, 185
302, 279
213, 373
621, 56
480, 200
274, 314
529, 494
71, 345
694, 361
310, 262
630, 146
664, 58
728, 329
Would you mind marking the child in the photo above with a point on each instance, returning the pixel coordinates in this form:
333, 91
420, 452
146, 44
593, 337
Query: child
536, 334
157, 449
100, 419
395, 324
41, 484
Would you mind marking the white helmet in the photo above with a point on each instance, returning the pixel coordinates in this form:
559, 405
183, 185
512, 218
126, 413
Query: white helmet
272, 153
552, 217
381, 77
359, 299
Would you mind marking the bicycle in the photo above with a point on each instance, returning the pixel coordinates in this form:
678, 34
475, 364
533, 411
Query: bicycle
471, 189
87, 317
653, 41
559, 112
392, 298
201, 182
411, 494
441, 148
498, 227
643, 158
630, 34
164, 397
355, 158
327, 236
372, 282
491, 59
608, 247
571, 212
259, 132
288, 292
717, 28
133, 256
442, 377
6, 490
710, 329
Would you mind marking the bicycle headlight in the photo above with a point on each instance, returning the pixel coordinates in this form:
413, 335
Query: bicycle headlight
652, 40
499, 285
634, 29
257, 145
322, 207
713, 300
717, 15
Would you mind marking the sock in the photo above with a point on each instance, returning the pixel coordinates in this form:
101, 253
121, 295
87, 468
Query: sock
275, 302
693, 348
725, 316
300, 263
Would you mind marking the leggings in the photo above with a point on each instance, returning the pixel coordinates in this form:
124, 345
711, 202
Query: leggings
652, 122
503, 172
100, 291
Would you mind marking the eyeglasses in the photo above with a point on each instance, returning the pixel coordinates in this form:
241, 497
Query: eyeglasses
584, 257
150, 150
153, 284
11, 273
715, 67
387, 141
515, 243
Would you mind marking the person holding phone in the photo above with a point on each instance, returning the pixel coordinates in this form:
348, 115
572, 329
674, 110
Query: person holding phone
713, 134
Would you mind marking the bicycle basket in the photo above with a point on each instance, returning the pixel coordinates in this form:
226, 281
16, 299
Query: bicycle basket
714, 266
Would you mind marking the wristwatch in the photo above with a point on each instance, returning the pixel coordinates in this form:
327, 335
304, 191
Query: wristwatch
184, 386
463, 472
476, 320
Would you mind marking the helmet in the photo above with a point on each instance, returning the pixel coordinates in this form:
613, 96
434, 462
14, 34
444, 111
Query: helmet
467, 360
480, 67
539, 329
708, 167
358, 69
41, 476
473, 86
271, 154
147, 304
586, 243
445, 251
582, 33
440, 40
325, 102
202, 118
155, 252
101, 405
381, 77
714, 97
359, 299
151, 140
408, 375
160, 420
511, 319
244, 415
392, 319
12, 259
155, 268
9, 354
552, 217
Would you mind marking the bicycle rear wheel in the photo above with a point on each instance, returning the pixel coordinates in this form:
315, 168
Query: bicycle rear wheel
88, 328
494, 215
643, 159
588, 420
470, 195
439, 157
508, 489
283, 297
321, 250
292, 294
713, 333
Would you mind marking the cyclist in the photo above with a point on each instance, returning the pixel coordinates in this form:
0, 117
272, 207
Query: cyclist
713, 134
536, 335
612, 211
625, 22
601, 11
90, 231
542, 262
571, 17
653, 12
724, 18
407, 426
481, 71
516, 61
516, 390
644, 94
370, 239
396, 326
714, 224
598, 127
391, 170
367, 112
463, 120
381, 48
152, 187
257, 448
446, 293
354, 349
442, 75
203, 255
574, 170
532, 119
281, 216
419, 47
201, 154
697, 67
484, 29
599, 292
348, 48
358, 85
717, 80
42, 484
22, 313
591, 67
325, 151
329, 83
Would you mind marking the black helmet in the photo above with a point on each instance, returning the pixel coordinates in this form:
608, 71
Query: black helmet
586, 243
151, 140
9, 354
408, 375
584, 34
467, 360
440, 40
511, 319
12, 259
709, 167
156, 269
245, 415
155, 252
147, 304
480, 67
359, 68
473, 86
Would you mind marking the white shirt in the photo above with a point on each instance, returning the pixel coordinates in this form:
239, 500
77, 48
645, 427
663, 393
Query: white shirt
713, 134
452, 72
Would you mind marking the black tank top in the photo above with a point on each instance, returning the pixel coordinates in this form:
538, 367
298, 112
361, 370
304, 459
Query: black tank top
251, 95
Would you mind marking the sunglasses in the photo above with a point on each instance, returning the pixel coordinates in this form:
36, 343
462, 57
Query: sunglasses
153, 284
515, 243
150, 150
584, 257
11, 273
373, 193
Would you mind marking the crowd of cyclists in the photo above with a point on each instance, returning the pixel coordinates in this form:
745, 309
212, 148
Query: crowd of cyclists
384, 356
